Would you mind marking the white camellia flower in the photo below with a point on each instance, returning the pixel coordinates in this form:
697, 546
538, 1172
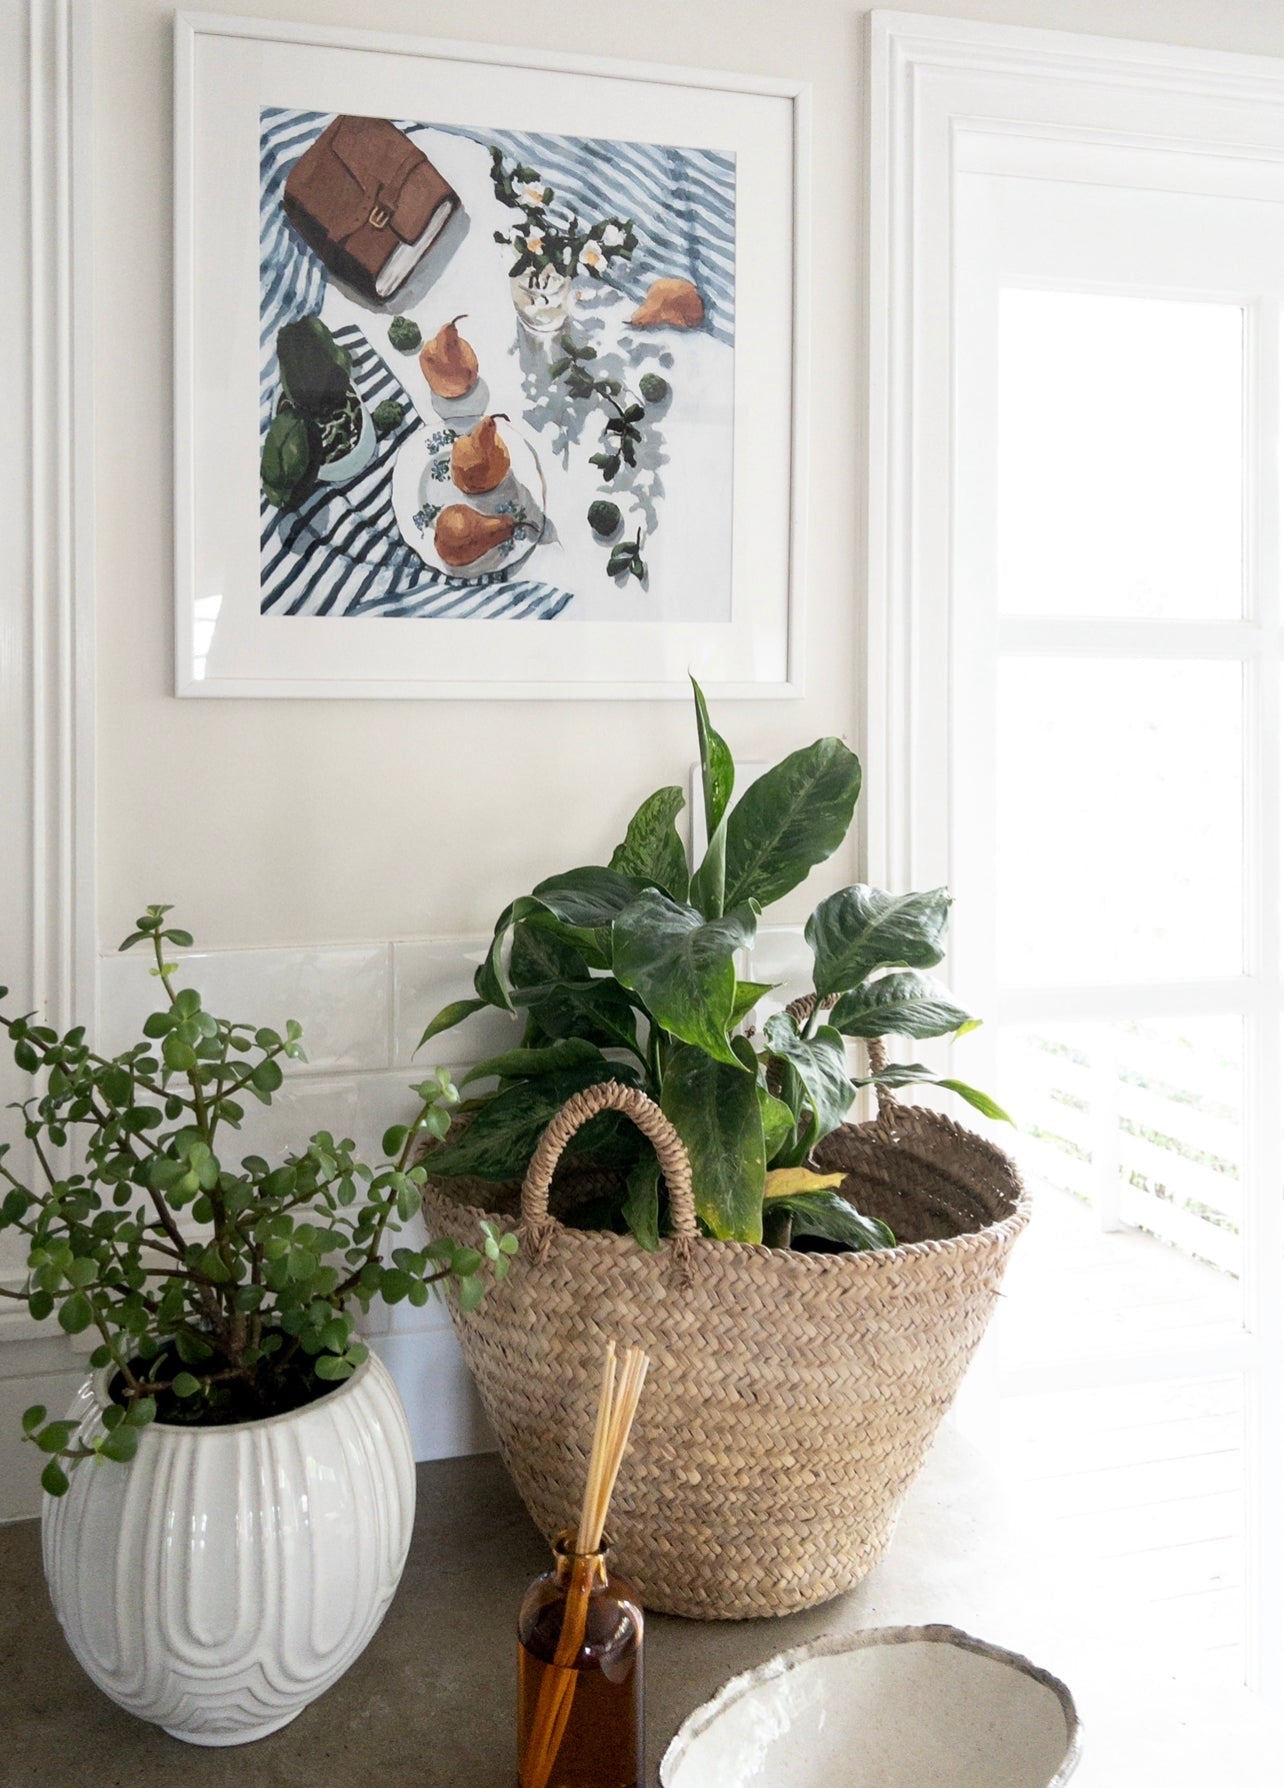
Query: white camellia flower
531, 194
612, 236
592, 256
535, 241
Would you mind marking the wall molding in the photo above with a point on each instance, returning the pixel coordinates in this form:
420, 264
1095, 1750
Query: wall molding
61, 963
937, 88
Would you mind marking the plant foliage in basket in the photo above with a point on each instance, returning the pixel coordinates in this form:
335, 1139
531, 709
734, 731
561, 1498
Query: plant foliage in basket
628, 971
218, 1293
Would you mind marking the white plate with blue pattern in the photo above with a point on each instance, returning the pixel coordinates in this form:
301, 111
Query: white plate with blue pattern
422, 487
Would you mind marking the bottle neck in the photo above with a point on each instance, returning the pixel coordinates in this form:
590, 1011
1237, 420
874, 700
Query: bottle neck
567, 1558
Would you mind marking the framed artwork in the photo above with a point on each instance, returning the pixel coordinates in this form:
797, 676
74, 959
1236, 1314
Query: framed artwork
487, 370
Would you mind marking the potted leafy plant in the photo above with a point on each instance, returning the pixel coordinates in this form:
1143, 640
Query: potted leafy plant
321, 431
236, 1430
627, 980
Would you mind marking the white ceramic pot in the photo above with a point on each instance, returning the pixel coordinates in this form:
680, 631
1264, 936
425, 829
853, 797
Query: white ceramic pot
227, 1576
903, 1707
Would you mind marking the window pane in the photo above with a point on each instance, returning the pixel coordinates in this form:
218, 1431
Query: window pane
1119, 821
1120, 456
1142, 1122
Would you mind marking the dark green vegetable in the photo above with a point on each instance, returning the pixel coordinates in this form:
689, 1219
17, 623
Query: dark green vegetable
388, 415
603, 517
404, 334
653, 388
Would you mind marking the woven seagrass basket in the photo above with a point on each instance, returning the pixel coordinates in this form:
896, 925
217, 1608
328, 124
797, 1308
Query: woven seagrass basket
792, 1396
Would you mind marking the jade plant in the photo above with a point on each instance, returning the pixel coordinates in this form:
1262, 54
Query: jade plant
218, 1293
631, 971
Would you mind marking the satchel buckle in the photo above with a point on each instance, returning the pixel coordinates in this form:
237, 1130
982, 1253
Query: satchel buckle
380, 217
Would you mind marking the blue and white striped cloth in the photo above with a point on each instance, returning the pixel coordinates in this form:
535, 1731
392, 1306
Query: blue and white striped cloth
340, 551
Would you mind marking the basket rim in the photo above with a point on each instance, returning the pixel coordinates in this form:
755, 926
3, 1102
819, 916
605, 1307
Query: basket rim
787, 1259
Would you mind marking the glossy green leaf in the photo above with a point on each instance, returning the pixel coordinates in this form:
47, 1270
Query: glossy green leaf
652, 850
717, 768
777, 1123
901, 1004
54, 1479
641, 1208
522, 1064
861, 929
820, 1063
448, 1017
748, 993
682, 967
793, 817
500, 1139
980, 1101
715, 1110
595, 1011
829, 1215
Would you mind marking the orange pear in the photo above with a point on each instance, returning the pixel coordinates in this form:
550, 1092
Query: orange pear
479, 460
448, 361
671, 302
462, 535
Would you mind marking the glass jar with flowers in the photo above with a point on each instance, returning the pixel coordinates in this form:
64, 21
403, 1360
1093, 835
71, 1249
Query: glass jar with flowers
551, 245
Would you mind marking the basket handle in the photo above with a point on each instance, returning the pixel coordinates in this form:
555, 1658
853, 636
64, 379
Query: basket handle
539, 1226
802, 1008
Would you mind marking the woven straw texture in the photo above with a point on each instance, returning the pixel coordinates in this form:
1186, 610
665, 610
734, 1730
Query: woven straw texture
792, 1396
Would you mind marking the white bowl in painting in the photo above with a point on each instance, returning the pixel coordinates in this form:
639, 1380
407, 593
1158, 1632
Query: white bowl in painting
892, 1707
422, 487
358, 457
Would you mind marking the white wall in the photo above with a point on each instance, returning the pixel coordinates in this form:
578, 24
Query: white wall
315, 823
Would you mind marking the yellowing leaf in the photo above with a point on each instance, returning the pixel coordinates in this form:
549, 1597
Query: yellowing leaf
787, 1182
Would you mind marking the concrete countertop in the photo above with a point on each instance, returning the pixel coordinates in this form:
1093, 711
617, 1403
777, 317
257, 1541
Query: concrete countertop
430, 1704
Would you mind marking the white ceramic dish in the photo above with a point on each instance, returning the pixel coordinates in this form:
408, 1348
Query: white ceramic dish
422, 486
891, 1707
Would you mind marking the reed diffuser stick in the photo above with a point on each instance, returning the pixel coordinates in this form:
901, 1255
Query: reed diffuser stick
617, 1406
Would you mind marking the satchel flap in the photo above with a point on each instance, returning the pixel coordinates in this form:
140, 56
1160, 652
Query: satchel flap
323, 185
399, 183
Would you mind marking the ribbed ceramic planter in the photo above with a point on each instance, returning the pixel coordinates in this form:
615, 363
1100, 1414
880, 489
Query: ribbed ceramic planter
227, 1576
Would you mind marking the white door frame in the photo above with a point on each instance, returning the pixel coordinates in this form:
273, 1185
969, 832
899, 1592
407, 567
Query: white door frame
938, 86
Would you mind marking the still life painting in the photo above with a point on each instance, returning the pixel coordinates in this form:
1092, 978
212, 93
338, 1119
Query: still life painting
488, 370
497, 376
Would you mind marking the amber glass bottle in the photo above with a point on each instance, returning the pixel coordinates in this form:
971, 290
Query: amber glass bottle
579, 1723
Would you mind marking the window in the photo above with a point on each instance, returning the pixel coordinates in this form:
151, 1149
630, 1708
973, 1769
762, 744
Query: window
1078, 267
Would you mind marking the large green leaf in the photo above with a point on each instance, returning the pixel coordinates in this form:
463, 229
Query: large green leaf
717, 767
682, 967
897, 1074
641, 1208
652, 851
715, 1110
902, 1004
790, 819
448, 1017
586, 900
577, 906
500, 1139
829, 1215
709, 883
596, 1010
820, 1062
524, 1064
861, 929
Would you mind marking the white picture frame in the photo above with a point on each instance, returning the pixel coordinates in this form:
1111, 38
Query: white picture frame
620, 637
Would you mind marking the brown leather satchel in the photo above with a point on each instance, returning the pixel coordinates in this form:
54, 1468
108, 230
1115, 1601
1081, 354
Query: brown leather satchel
369, 203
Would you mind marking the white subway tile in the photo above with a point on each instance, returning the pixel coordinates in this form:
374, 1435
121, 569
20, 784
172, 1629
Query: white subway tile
429, 975
340, 994
443, 1408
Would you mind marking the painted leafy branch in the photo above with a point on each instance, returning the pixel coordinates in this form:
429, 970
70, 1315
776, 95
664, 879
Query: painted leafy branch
546, 239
